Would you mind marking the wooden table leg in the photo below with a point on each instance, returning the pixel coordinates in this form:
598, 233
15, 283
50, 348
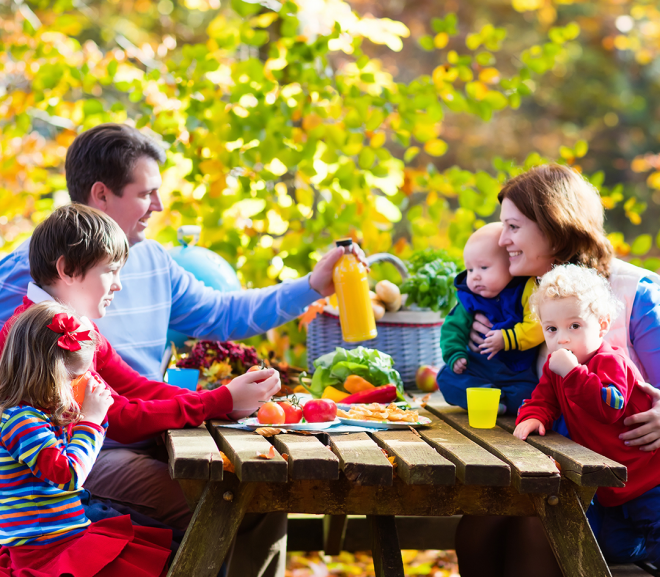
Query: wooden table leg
569, 533
385, 549
334, 531
212, 528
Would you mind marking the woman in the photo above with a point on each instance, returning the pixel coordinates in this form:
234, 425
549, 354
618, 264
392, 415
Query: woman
552, 215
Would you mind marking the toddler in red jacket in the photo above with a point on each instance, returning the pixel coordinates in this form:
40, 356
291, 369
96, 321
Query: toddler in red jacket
595, 387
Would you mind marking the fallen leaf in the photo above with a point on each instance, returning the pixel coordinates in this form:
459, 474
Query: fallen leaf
270, 455
269, 431
555, 462
392, 460
285, 456
385, 452
227, 465
425, 398
310, 314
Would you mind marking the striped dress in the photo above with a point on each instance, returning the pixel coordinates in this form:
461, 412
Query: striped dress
33, 508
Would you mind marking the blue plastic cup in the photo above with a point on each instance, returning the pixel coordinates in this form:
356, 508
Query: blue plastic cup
184, 378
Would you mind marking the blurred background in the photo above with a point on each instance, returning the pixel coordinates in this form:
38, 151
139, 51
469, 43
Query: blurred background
289, 124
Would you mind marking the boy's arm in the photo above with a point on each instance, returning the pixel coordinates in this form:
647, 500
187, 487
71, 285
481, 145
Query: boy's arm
30, 439
144, 408
455, 335
528, 333
603, 391
543, 405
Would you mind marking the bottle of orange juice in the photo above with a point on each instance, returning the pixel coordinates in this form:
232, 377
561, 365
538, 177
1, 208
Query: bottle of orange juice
78, 385
355, 313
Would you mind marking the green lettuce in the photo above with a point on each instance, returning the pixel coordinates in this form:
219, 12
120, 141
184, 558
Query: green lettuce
376, 367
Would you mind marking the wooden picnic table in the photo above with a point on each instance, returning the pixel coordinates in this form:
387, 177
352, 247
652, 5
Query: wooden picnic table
444, 469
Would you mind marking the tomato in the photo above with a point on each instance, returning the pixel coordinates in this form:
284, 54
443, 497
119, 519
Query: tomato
293, 414
319, 410
271, 413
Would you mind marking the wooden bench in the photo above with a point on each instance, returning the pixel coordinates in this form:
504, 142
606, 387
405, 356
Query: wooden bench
447, 469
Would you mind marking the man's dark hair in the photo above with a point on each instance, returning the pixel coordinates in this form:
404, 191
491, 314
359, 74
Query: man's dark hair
106, 153
81, 234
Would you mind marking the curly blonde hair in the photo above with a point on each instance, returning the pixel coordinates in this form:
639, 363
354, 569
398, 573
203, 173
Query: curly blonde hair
590, 288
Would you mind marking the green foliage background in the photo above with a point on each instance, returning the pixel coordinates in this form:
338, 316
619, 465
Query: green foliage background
290, 124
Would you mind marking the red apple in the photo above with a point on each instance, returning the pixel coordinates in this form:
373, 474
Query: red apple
425, 378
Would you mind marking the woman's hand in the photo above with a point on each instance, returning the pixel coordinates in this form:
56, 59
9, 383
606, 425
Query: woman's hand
480, 326
97, 402
493, 344
524, 429
647, 434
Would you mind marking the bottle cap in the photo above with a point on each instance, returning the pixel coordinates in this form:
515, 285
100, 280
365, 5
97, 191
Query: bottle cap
344, 242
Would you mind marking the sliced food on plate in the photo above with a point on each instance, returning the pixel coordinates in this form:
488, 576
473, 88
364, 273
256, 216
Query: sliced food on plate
382, 416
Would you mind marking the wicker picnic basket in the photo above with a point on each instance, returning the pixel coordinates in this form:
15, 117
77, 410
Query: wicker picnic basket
410, 337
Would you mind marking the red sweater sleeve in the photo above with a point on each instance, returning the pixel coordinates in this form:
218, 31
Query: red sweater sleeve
144, 408
543, 405
54, 464
584, 387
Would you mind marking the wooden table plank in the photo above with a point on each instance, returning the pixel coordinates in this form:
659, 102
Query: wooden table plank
361, 459
193, 454
581, 465
531, 470
417, 462
474, 465
241, 448
308, 457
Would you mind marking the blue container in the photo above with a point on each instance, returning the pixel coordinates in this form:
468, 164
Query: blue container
205, 265
184, 378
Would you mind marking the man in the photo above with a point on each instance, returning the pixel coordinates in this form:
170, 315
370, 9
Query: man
115, 168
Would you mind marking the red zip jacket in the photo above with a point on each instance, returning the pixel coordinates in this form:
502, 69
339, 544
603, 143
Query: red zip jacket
587, 404
144, 408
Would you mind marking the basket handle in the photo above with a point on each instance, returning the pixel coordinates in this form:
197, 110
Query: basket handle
393, 260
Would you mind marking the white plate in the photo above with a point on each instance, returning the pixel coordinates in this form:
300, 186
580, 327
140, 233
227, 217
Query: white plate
253, 423
385, 424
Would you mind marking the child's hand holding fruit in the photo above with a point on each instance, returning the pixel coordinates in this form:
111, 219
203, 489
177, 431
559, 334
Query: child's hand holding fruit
251, 389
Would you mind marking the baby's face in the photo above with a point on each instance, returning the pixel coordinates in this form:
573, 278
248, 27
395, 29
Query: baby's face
568, 325
487, 268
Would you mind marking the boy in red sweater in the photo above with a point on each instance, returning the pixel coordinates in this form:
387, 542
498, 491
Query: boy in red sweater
76, 255
595, 387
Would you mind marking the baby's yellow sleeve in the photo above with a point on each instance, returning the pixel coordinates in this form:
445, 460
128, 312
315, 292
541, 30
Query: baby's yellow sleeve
527, 333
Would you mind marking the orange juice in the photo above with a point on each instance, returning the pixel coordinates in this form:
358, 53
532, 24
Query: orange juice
78, 385
355, 313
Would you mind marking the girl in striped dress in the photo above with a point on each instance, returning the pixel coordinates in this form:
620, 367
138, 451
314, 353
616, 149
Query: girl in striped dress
48, 445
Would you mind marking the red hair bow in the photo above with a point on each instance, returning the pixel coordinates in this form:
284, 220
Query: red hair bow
66, 326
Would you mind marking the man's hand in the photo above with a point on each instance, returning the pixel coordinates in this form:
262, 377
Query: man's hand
321, 279
480, 326
459, 366
493, 344
562, 362
524, 429
647, 435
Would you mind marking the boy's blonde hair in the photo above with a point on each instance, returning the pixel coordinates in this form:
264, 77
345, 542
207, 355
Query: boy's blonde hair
35, 370
591, 289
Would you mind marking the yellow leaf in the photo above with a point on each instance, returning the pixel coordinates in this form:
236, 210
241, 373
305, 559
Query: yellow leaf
639, 164
377, 140
435, 147
489, 75
441, 40
654, 180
